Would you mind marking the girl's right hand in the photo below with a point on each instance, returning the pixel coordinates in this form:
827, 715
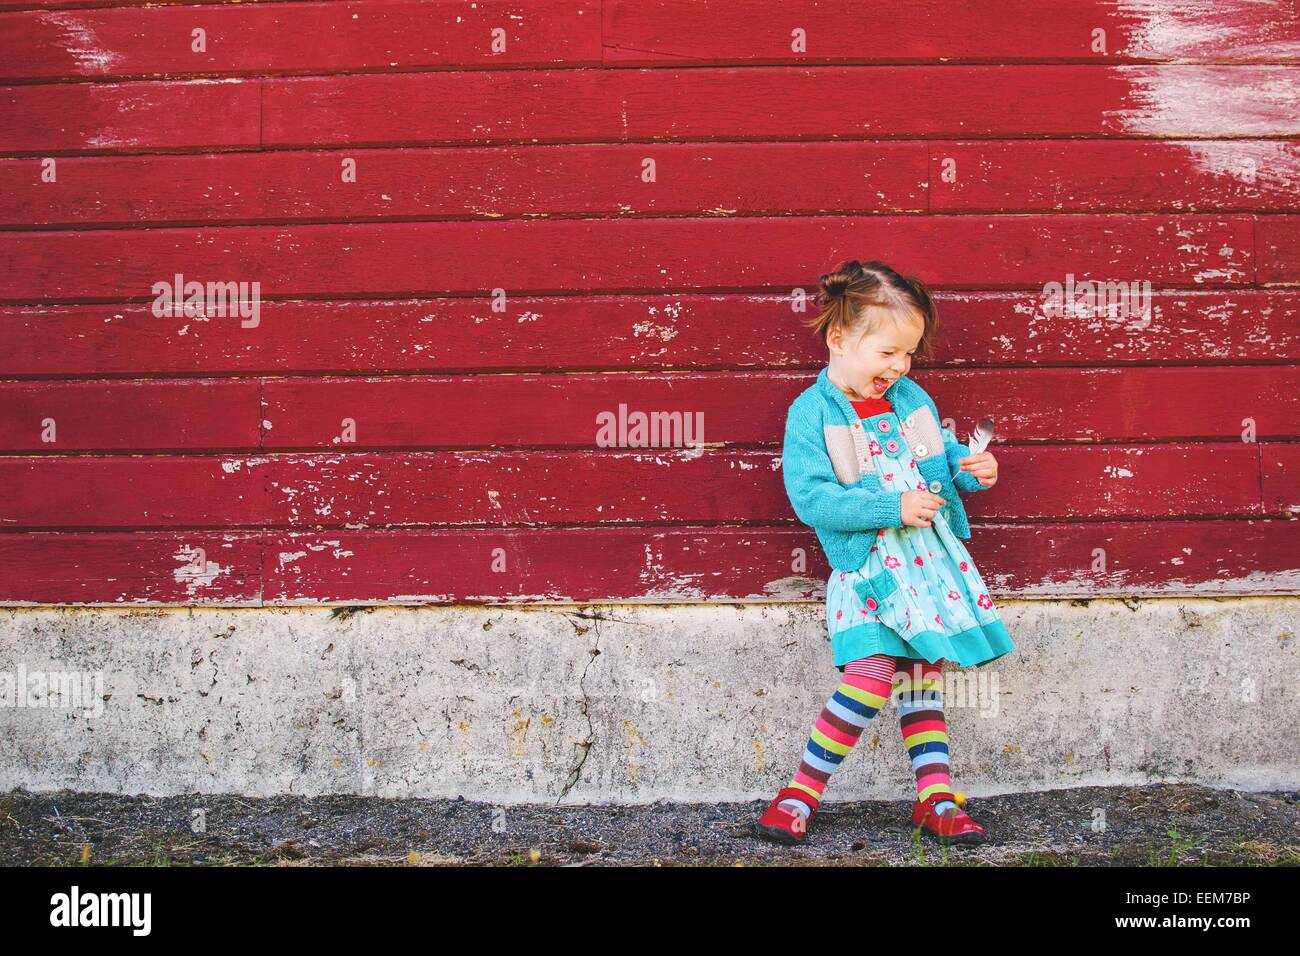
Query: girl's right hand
919, 508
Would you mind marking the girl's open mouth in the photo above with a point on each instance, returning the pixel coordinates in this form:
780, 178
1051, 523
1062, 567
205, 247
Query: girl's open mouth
879, 384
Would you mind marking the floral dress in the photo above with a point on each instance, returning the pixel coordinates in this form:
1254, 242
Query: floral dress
918, 594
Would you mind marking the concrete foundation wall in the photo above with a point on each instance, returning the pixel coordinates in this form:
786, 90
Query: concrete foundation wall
626, 703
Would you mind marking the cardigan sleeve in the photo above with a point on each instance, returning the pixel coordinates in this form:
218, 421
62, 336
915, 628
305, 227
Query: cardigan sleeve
818, 498
956, 451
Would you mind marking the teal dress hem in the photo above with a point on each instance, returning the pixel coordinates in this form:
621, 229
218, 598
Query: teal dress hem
973, 647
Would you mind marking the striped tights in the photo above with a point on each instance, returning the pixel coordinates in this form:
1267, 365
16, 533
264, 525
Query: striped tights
917, 688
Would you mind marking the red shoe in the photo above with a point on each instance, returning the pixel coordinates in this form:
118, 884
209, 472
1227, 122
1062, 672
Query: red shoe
782, 825
953, 827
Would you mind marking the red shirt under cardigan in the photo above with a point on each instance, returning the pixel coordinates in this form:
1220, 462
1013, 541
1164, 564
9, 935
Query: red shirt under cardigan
872, 406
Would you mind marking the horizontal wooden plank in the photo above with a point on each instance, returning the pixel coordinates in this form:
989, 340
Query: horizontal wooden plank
649, 332
530, 488
491, 488
765, 103
122, 568
64, 4
674, 565
1114, 176
1279, 250
1183, 327
728, 486
1236, 403
1144, 404
564, 256
524, 410
192, 414
665, 565
133, 493
720, 179
436, 335
511, 489
1064, 482
1162, 558
717, 179
64, 117
299, 38
689, 32
1280, 477
145, 40
593, 411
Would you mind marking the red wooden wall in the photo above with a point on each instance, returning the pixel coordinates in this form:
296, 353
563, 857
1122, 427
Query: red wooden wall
198, 461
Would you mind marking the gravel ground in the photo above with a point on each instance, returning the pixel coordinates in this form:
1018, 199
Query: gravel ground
1156, 825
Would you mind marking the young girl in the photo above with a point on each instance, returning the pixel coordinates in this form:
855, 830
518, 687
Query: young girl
868, 466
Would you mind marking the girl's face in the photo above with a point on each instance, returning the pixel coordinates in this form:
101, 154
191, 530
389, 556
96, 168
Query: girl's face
868, 364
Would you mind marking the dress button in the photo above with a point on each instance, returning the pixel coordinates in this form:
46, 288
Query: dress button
935, 486
921, 450
883, 424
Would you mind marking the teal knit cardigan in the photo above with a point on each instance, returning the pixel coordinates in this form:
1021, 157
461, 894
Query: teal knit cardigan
843, 501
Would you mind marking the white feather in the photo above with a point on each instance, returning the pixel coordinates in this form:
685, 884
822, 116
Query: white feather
981, 437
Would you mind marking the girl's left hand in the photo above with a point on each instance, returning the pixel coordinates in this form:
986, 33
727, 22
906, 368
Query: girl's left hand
983, 466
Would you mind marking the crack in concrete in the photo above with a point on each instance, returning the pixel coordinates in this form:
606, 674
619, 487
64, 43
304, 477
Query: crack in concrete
584, 745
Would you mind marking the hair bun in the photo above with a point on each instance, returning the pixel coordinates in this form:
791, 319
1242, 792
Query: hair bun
837, 283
